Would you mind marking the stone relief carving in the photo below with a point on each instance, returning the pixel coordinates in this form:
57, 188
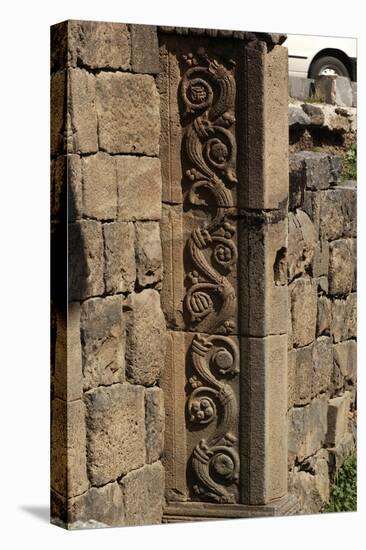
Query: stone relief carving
208, 92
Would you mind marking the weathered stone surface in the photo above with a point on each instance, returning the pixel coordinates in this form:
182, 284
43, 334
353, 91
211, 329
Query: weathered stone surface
296, 116
297, 181
58, 188
134, 100
307, 428
68, 378
291, 378
301, 243
341, 267
299, 88
139, 188
338, 454
321, 259
146, 331
115, 431
303, 295
323, 365
98, 45
82, 134
337, 419
314, 113
316, 169
310, 482
324, 316
68, 452
303, 373
149, 259
344, 318
143, 495
103, 341
334, 89
58, 113
74, 187
154, 423
102, 505
311, 205
322, 285
99, 186
338, 213
119, 252
144, 49
86, 260
345, 358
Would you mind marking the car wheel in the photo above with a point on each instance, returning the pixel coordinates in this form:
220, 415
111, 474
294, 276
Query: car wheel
328, 65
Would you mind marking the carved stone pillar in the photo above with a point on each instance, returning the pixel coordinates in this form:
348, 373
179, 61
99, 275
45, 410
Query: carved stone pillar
224, 159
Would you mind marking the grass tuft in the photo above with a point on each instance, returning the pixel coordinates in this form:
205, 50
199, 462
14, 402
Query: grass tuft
343, 497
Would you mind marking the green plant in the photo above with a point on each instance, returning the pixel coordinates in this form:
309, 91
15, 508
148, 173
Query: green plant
350, 163
313, 99
343, 497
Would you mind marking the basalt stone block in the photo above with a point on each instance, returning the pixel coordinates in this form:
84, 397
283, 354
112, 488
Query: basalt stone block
334, 89
149, 259
310, 482
296, 116
301, 243
133, 99
146, 331
315, 113
303, 296
74, 187
338, 213
119, 252
303, 374
307, 428
86, 262
99, 186
341, 267
297, 181
139, 188
103, 341
324, 316
143, 495
58, 112
300, 88
82, 136
98, 45
144, 49
337, 419
338, 454
322, 364
321, 259
311, 206
345, 359
154, 423
102, 505
68, 451
344, 318
316, 169
115, 431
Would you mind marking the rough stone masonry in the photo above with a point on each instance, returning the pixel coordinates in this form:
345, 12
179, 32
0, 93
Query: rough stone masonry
240, 410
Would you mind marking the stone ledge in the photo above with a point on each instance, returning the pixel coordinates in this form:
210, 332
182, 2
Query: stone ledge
270, 38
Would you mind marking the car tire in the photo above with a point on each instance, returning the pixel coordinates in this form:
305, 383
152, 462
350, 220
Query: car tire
328, 65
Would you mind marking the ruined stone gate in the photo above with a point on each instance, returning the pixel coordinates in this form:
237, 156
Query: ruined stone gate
171, 275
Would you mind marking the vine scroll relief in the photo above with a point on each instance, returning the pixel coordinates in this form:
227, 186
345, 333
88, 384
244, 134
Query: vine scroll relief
208, 94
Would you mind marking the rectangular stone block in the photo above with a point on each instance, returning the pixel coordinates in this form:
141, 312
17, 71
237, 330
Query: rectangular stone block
324, 316
99, 186
321, 259
345, 359
119, 253
308, 428
85, 259
338, 213
303, 375
134, 100
146, 331
66, 188
304, 301
139, 188
115, 431
154, 423
262, 270
58, 112
74, 187
81, 131
143, 495
68, 448
338, 409
335, 90
322, 364
149, 259
98, 45
341, 267
103, 341
68, 377
299, 87
263, 434
144, 49
344, 318
98, 507
316, 168
297, 181
301, 244
267, 128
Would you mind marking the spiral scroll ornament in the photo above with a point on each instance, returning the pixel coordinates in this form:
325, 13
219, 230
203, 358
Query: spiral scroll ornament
208, 93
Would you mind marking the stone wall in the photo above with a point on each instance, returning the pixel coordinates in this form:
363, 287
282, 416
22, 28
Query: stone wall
322, 324
107, 407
